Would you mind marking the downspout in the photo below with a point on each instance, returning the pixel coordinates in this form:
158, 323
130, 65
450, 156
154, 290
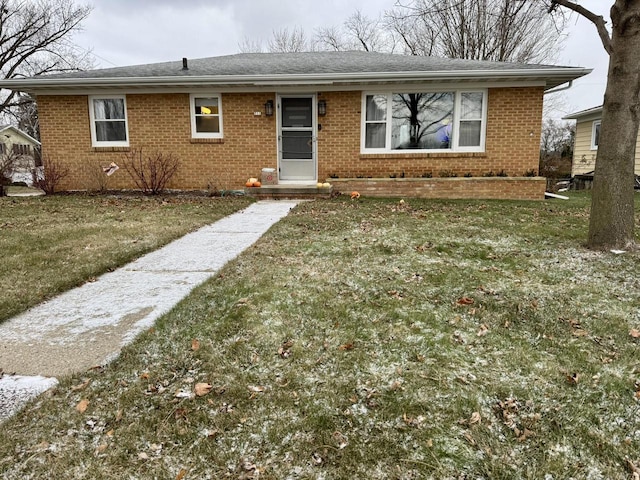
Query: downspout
560, 89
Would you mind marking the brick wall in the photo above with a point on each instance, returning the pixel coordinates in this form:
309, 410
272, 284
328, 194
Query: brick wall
529, 188
162, 122
514, 117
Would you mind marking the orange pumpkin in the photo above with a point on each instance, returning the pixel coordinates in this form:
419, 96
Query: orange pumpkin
257, 184
249, 184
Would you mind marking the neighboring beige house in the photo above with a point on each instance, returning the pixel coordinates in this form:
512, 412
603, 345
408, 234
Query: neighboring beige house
586, 142
22, 148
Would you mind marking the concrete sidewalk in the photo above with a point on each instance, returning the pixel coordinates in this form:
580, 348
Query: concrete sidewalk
88, 326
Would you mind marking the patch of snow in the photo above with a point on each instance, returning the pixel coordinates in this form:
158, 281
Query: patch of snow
17, 390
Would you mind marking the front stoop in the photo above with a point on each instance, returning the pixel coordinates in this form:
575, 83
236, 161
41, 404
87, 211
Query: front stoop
288, 192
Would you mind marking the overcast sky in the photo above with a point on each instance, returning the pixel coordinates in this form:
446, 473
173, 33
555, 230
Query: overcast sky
130, 32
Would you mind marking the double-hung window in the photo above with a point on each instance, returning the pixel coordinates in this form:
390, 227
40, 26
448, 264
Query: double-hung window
108, 114
424, 121
206, 116
595, 135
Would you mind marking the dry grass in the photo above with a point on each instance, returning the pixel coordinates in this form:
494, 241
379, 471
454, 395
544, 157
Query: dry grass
376, 340
50, 244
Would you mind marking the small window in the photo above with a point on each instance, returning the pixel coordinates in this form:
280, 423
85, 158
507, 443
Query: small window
206, 116
376, 121
20, 149
109, 121
595, 135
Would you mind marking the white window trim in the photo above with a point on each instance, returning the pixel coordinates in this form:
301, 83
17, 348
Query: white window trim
456, 122
594, 125
94, 136
194, 133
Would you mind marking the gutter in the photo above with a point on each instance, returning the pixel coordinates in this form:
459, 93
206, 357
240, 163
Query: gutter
560, 89
561, 73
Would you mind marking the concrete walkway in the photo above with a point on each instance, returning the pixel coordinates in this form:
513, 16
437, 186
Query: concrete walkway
88, 326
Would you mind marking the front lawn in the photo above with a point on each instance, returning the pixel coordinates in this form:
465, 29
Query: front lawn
371, 339
51, 244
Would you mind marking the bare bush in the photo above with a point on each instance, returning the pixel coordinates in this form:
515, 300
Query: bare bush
150, 173
8, 165
49, 176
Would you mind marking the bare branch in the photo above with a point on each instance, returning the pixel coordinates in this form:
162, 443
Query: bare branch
597, 20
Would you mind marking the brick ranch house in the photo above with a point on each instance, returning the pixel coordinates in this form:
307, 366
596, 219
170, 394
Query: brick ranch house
350, 118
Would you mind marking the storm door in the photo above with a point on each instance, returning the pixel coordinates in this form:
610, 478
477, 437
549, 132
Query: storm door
297, 138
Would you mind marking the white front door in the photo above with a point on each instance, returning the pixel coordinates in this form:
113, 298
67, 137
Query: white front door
297, 133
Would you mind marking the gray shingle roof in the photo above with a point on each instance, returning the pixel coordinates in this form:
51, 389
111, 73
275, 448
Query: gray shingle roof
300, 64
268, 70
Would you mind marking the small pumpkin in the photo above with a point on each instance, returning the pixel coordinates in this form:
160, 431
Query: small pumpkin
248, 184
257, 184
319, 185
326, 185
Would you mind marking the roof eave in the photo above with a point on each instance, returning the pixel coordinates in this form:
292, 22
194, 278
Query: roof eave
552, 77
584, 113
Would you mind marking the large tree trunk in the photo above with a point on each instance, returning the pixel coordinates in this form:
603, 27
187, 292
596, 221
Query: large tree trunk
612, 209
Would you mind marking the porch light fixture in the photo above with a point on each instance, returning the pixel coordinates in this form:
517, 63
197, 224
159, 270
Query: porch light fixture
268, 108
322, 108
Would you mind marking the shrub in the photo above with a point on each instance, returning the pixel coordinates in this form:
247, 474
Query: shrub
447, 174
49, 176
151, 173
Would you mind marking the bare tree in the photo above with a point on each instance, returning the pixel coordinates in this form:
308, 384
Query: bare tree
34, 40
556, 151
25, 115
611, 223
285, 40
250, 46
498, 30
358, 32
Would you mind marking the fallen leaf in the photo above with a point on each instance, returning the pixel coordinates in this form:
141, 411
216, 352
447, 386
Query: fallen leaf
143, 456
256, 389
573, 378
144, 375
181, 474
101, 448
483, 330
526, 434
429, 443
195, 345
341, 440
82, 406
475, 418
634, 333
346, 346
110, 433
119, 415
317, 459
465, 301
82, 386
579, 332
202, 389
285, 349
182, 394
